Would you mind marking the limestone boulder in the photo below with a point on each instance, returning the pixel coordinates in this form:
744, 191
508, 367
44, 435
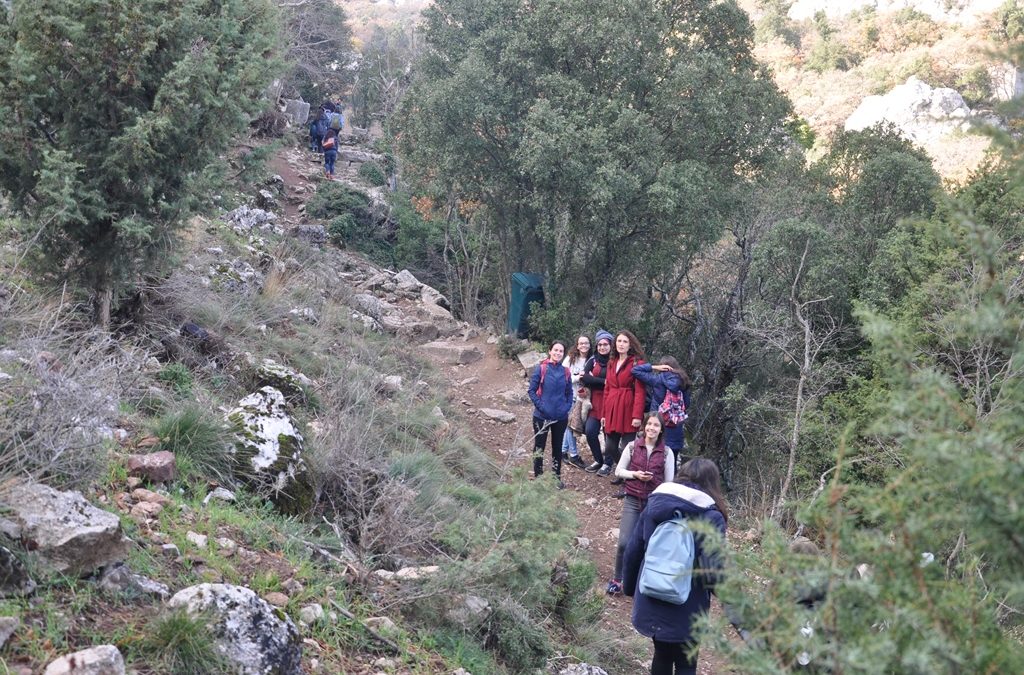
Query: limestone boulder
245, 219
530, 360
921, 112
502, 416
288, 381
452, 353
257, 638
269, 450
118, 580
65, 532
314, 235
101, 660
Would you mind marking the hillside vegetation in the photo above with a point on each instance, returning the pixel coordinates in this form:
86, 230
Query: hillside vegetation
223, 446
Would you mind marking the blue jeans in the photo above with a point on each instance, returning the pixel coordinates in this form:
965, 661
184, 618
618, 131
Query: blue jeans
569, 444
330, 157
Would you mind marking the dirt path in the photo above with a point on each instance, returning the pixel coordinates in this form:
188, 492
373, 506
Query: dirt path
494, 382
497, 383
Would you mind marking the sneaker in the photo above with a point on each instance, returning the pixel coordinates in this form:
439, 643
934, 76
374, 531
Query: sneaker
577, 462
593, 467
614, 587
621, 494
559, 484
617, 481
604, 470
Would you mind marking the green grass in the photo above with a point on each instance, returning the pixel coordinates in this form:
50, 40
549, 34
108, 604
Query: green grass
200, 444
178, 377
182, 644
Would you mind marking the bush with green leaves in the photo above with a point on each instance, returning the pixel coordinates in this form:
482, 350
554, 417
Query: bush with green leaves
103, 145
373, 173
178, 377
519, 640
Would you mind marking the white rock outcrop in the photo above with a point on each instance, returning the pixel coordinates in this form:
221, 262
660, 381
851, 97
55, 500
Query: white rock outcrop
101, 660
921, 112
65, 532
255, 637
269, 449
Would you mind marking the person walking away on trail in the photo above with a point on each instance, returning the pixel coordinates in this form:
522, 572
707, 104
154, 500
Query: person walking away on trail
593, 379
575, 361
667, 378
551, 393
696, 494
624, 398
645, 464
330, 145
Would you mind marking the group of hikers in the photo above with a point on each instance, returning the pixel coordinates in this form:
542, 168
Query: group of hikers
324, 128
632, 414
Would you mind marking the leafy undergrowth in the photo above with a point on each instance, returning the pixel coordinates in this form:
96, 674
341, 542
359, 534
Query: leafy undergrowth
396, 480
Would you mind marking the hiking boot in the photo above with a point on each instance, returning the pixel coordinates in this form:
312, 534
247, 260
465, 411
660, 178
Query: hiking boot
576, 462
538, 466
593, 467
559, 484
604, 470
621, 494
614, 587
617, 481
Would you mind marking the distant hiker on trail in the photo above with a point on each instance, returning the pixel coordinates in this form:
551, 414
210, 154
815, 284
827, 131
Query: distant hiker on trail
593, 379
624, 397
696, 494
645, 464
668, 380
551, 393
317, 129
330, 145
575, 360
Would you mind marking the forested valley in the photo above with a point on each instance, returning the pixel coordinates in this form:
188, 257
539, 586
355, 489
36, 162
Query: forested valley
208, 357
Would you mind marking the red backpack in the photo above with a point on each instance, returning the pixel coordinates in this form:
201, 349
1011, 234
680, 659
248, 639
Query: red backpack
543, 372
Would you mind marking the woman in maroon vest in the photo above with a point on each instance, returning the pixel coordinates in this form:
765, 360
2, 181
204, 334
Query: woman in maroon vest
645, 464
624, 396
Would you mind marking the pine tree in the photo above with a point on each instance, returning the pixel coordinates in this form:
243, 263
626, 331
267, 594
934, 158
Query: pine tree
113, 111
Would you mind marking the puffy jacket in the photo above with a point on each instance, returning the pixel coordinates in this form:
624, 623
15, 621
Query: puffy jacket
659, 383
554, 400
593, 379
664, 621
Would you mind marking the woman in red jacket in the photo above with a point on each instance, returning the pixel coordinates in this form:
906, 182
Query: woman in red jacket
623, 398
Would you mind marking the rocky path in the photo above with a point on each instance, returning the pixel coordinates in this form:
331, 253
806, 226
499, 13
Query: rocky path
491, 389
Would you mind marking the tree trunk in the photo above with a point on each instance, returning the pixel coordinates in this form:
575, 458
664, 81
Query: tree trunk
101, 306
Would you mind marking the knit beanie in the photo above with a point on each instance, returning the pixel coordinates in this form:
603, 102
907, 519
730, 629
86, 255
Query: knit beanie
604, 335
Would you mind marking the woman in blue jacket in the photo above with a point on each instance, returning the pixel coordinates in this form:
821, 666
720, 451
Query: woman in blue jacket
667, 376
696, 494
551, 393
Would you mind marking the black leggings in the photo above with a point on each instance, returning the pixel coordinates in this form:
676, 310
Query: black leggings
540, 435
593, 431
669, 654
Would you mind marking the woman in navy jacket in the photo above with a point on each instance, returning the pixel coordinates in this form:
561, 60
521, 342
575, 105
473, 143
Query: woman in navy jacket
668, 375
551, 393
696, 493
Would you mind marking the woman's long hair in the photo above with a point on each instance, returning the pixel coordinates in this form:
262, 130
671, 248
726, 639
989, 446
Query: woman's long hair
574, 351
704, 474
635, 348
671, 362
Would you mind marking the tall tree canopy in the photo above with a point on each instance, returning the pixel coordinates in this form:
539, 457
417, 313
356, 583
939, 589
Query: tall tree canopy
597, 141
112, 111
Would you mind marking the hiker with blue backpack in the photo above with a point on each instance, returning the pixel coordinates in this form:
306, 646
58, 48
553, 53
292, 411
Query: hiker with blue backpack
645, 464
670, 395
551, 393
670, 568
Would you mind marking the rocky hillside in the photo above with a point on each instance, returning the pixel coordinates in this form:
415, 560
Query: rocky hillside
934, 69
261, 471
